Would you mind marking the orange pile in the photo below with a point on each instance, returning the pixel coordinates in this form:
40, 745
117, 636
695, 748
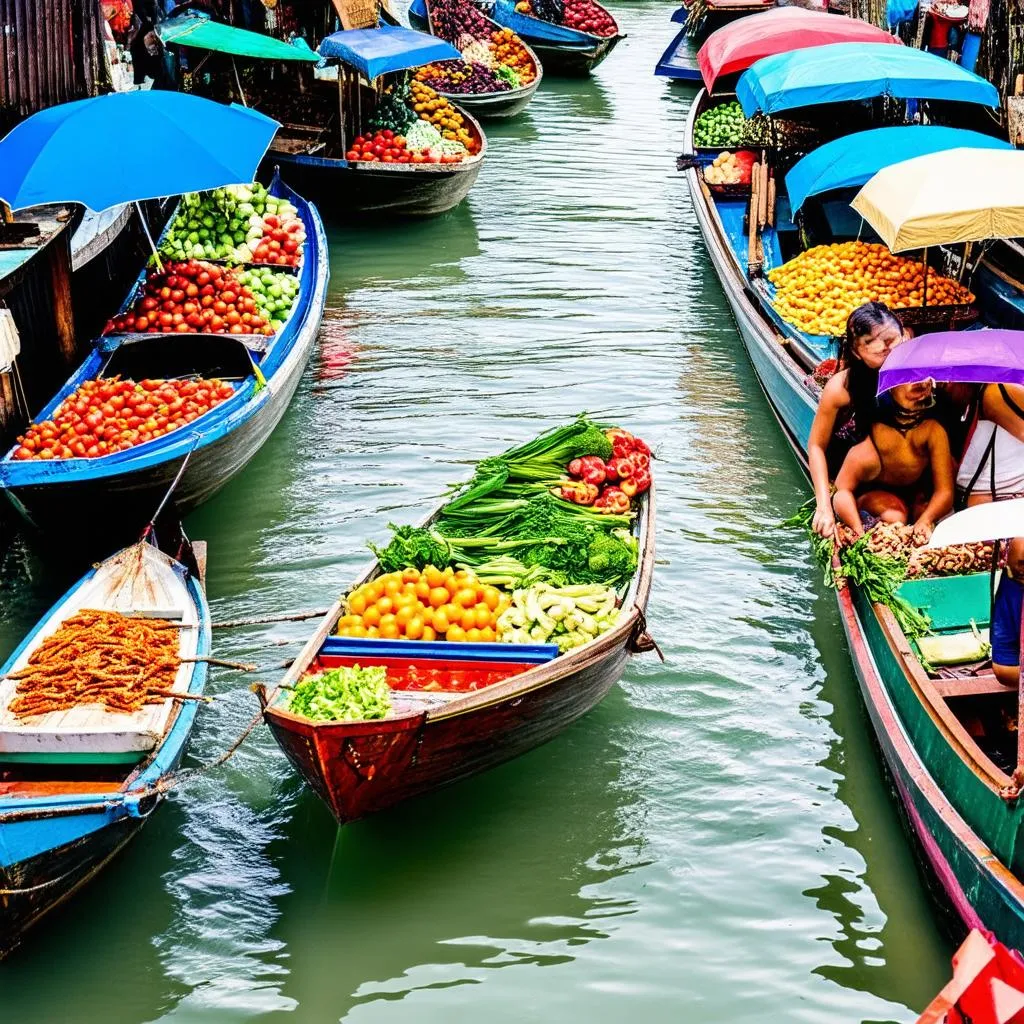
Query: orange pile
817, 290
429, 605
508, 49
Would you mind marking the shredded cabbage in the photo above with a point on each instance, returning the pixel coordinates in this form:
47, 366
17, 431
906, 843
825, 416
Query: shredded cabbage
422, 135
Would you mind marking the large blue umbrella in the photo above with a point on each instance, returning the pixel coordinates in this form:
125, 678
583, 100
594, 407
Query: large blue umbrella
855, 159
844, 72
126, 147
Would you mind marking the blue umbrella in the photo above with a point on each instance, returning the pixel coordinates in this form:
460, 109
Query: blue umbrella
126, 147
376, 51
844, 72
855, 159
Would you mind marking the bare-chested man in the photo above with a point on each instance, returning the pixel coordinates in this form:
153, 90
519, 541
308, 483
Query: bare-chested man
889, 475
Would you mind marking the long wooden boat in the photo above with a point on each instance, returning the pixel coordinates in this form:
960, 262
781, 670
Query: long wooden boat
76, 786
679, 61
485, 105
949, 779
432, 740
353, 188
562, 50
121, 490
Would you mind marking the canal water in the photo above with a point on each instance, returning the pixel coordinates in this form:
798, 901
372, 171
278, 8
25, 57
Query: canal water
715, 843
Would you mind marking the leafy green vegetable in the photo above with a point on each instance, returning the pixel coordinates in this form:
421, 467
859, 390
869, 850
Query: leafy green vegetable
879, 577
342, 695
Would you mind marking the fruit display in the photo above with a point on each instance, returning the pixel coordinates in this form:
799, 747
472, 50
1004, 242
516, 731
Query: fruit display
115, 414
452, 19
193, 297
723, 125
464, 77
730, 168
429, 605
275, 293
610, 486
423, 145
436, 110
509, 51
240, 223
817, 290
582, 15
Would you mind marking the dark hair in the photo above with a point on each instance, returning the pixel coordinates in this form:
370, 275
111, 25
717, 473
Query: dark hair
862, 381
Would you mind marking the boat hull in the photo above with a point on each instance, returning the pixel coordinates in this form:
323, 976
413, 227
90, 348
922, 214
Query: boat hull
570, 61
946, 800
342, 189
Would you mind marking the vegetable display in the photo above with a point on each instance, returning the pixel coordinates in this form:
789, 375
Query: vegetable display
341, 695
436, 110
817, 290
423, 145
113, 415
725, 125
240, 223
99, 657
274, 292
730, 168
192, 298
583, 15
896, 540
429, 605
509, 51
463, 76
567, 616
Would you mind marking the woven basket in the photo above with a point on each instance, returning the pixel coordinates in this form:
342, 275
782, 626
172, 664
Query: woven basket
947, 317
738, 191
357, 13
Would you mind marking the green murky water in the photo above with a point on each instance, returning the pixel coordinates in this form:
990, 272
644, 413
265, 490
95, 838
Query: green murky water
715, 843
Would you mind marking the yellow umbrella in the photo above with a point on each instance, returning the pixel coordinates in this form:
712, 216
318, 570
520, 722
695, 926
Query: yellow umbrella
960, 195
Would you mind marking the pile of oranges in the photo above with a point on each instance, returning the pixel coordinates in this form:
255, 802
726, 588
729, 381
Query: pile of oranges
508, 49
435, 604
436, 110
817, 290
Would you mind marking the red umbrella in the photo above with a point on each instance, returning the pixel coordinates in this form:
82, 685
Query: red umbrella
743, 42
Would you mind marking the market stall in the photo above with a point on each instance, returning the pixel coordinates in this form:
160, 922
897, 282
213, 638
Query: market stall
497, 74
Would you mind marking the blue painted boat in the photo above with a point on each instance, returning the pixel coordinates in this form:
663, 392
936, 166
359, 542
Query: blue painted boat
77, 785
562, 50
952, 780
120, 491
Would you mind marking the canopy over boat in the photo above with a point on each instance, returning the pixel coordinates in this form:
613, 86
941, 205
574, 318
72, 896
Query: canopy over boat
969, 357
376, 51
915, 203
854, 159
844, 72
198, 30
739, 44
64, 154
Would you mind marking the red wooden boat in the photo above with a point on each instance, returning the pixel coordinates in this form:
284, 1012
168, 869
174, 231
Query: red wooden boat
431, 739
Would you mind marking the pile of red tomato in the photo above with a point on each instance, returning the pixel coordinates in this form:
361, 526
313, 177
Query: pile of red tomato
587, 16
106, 416
387, 147
192, 298
281, 243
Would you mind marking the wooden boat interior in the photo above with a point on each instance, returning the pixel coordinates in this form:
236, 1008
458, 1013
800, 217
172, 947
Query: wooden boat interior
90, 749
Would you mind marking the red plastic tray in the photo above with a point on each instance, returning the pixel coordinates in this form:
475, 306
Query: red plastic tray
433, 674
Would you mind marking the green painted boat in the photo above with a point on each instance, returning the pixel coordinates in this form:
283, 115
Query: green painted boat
949, 744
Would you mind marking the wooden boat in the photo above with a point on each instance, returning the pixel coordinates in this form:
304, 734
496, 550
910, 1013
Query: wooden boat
121, 491
679, 61
65, 813
562, 50
486, 104
950, 779
433, 739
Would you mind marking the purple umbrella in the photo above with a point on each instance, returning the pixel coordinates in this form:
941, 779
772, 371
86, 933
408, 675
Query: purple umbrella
969, 357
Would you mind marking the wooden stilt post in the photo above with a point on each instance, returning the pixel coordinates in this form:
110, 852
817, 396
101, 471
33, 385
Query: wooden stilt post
63, 311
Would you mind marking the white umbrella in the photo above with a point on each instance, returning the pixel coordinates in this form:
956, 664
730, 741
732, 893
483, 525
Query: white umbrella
991, 521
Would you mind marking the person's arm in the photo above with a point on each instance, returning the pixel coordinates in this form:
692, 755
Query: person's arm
833, 398
995, 408
941, 502
860, 465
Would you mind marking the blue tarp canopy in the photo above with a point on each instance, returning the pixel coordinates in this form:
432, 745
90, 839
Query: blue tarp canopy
376, 51
843, 72
854, 159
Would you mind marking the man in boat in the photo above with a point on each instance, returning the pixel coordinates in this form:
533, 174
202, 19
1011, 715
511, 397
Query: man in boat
903, 470
1006, 611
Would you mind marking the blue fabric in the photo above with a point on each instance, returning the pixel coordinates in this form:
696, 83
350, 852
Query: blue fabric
532, 29
376, 51
82, 152
899, 11
844, 72
1005, 632
854, 159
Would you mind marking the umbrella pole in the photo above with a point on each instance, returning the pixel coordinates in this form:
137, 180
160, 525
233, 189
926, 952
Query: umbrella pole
238, 83
342, 84
149, 237
924, 300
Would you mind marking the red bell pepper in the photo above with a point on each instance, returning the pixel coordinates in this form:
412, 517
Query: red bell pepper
592, 470
629, 487
578, 492
575, 468
612, 501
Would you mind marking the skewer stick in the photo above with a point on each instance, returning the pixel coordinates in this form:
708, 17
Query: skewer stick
208, 660
264, 620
